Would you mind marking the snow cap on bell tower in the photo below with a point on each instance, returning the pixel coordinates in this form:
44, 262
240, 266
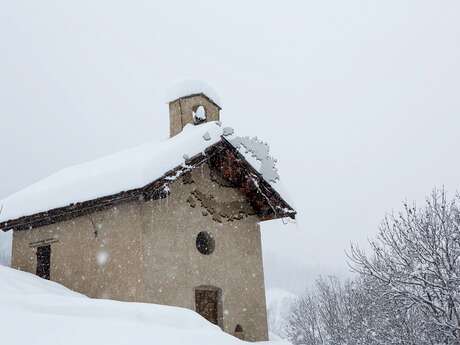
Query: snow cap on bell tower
192, 102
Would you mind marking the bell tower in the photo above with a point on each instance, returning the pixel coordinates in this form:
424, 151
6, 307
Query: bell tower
195, 109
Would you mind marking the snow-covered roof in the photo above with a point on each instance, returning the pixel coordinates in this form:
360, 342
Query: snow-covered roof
124, 171
192, 87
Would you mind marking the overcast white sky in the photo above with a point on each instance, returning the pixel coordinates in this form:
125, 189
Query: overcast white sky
359, 100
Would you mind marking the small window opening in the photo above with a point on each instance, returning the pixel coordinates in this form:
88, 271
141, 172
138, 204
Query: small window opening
43, 261
239, 333
205, 243
199, 115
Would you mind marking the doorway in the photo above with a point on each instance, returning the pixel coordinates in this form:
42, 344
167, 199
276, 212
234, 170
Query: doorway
208, 303
43, 261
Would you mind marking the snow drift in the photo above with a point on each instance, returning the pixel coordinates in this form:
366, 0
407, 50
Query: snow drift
37, 311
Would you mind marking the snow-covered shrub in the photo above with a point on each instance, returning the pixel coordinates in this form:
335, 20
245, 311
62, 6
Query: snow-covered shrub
416, 257
406, 292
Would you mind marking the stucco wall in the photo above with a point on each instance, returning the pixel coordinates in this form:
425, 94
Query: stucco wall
78, 253
152, 256
174, 267
181, 112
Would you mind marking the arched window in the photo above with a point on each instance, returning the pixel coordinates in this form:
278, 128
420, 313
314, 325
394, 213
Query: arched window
199, 115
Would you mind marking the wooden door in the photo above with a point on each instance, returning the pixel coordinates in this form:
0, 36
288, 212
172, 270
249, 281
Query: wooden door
207, 304
43, 261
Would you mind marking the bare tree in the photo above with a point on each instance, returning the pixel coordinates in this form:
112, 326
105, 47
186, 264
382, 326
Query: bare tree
304, 326
415, 260
406, 292
357, 312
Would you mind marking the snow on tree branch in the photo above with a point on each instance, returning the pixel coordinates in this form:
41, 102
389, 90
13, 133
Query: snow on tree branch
417, 256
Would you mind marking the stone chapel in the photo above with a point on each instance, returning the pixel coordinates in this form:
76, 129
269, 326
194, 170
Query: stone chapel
174, 223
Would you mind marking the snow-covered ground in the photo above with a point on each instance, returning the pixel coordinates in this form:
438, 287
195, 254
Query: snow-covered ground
37, 311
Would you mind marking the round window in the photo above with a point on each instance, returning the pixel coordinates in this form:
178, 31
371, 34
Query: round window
205, 243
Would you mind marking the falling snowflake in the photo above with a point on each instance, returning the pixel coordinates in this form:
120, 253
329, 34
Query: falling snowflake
102, 257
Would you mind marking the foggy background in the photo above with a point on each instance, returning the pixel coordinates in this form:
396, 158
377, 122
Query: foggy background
359, 100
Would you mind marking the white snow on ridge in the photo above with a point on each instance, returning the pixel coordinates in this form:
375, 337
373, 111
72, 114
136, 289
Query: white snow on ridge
191, 87
133, 168
260, 151
37, 311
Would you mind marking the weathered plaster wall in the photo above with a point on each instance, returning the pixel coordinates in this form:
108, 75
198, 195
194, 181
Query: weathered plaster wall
114, 235
152, 252
174, 267
181, 112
